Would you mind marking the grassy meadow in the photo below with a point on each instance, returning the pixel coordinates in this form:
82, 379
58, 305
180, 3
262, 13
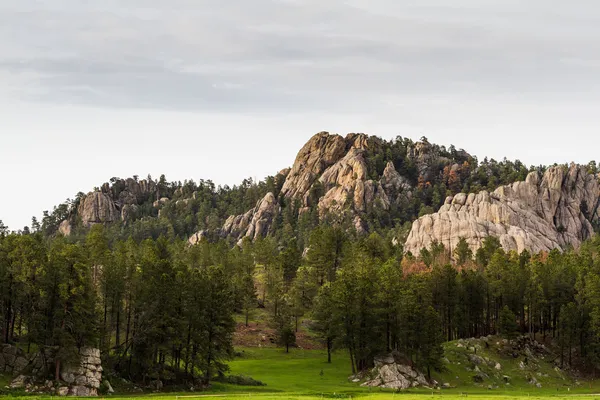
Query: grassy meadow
305, 374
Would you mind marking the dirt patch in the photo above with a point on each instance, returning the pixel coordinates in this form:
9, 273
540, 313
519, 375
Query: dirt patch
258, 334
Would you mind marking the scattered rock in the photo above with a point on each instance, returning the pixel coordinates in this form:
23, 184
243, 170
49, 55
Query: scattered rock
19, 382
62, 391
156, 384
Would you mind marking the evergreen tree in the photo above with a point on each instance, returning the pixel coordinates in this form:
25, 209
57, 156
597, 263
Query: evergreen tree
507, 324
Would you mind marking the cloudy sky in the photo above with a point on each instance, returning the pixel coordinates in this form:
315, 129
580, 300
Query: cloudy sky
226, 89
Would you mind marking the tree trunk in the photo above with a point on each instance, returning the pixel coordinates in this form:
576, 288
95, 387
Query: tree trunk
352, 362
57, 371
118, 329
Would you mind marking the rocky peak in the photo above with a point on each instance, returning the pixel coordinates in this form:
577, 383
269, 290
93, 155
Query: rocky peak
542, 213
320, 152
339, 166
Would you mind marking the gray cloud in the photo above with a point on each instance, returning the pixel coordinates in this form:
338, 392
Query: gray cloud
298, 55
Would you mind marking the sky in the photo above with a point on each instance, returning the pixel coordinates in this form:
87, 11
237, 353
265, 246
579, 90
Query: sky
229, 89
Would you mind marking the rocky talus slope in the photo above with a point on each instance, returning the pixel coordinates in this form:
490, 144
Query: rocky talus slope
545, 212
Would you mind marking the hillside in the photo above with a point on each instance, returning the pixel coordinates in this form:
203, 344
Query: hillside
364, 184
364, 248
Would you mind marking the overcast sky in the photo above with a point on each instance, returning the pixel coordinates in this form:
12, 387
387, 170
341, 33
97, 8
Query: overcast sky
227, 89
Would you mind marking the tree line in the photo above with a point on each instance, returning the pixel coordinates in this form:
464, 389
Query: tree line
161, 309
156, 309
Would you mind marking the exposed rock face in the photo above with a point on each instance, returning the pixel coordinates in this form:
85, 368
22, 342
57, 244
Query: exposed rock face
423, 154
347, 181
394, 183
321, 151
97, 208
118, 202
264, 214
12, 359
237, 226
197, 237
338, 166
540, 214
131, 191
128, 212
82, 378
255, 223
65, 228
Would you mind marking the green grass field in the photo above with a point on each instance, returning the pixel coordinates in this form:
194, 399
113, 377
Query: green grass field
305, 374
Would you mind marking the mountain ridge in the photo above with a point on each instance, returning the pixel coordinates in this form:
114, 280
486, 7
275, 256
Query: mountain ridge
366, 184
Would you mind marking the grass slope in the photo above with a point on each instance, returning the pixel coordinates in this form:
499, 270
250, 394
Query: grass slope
460, 370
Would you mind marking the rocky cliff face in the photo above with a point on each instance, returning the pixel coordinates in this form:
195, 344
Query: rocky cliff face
97, 208
540, 214
118, 202
338, 166
255, 223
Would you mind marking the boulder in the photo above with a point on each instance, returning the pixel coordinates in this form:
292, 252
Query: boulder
392, 375
197, 237
80, 391
65, 228
19, 382
62, 391
393, 379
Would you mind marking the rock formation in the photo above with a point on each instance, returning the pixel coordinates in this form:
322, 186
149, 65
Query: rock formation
130, 191
391, 374
84, 377
542, 213
319, 153
338, 167
12, 359
197, 237
118, 202
97, 208
81, 378
255, 223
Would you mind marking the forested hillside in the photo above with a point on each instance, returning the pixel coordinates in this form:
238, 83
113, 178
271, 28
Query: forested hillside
415, 178
155, 274
161, 309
